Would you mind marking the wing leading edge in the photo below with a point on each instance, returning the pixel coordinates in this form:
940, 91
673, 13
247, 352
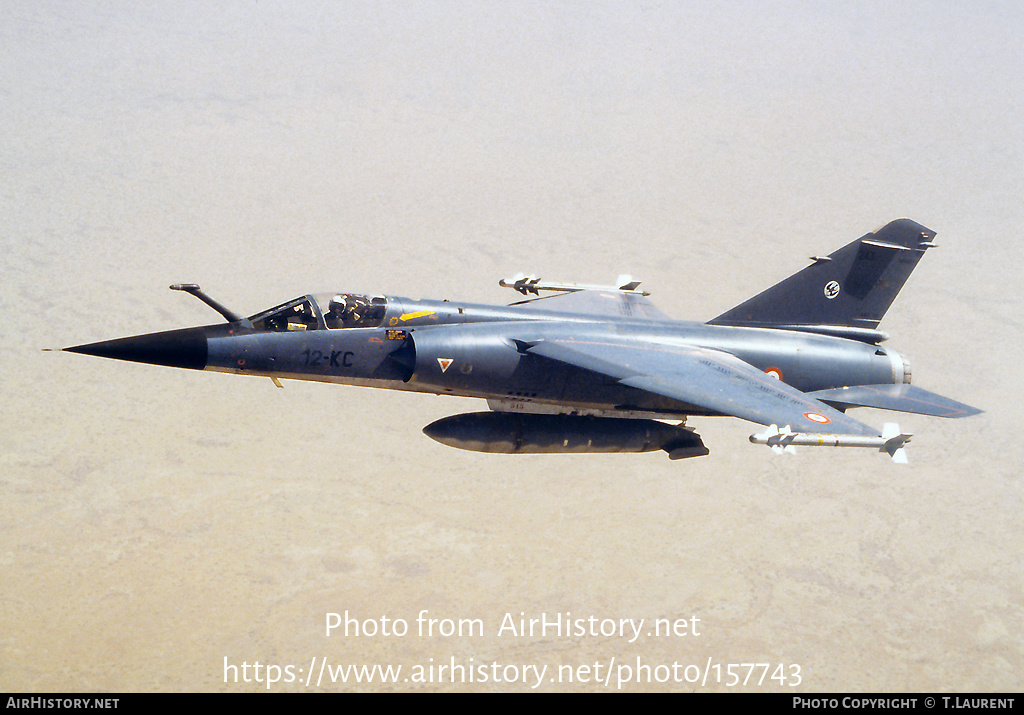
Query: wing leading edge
705, 378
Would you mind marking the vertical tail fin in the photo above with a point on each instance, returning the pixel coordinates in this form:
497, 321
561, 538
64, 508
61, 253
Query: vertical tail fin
851, 288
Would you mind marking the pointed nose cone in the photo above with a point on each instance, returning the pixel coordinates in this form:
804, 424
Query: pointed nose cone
173, 348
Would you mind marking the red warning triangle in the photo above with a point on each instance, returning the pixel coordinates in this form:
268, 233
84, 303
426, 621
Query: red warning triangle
445, 363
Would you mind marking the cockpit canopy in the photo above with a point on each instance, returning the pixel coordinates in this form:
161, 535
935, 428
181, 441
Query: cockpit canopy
352, 310
332, 311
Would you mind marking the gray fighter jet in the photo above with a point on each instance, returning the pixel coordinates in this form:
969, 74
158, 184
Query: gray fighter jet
599, 368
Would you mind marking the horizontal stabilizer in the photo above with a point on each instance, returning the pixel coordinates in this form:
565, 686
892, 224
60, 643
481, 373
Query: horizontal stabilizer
899, 398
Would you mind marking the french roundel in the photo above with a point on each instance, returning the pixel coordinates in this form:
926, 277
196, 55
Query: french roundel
815, 417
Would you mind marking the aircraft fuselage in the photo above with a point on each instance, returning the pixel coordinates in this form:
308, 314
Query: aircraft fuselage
477, 351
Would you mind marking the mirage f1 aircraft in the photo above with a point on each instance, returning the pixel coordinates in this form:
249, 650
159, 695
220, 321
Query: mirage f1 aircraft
599, 368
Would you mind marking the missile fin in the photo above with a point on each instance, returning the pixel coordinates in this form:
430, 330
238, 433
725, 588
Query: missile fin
894, 442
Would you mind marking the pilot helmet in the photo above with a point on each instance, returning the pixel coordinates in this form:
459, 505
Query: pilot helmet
338, 302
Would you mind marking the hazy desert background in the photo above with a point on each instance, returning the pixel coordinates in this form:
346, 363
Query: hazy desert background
154, 522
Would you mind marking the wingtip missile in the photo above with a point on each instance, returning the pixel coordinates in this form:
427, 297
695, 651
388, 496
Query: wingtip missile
784, 441
525, 285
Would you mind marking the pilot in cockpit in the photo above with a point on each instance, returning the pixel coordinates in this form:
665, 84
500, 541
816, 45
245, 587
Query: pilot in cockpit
346, 311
